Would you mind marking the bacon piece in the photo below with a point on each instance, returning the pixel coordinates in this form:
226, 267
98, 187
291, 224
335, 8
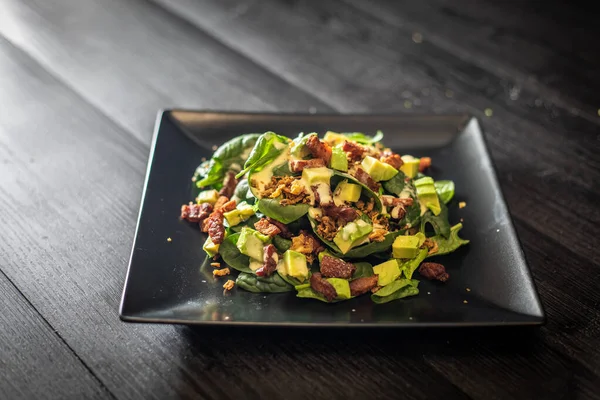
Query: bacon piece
319, 149
364, 178
266, 228
196, 212
299, 165
228, 206
355, 151
363, 285
284, 231
393, 159
432, 271
229, 184
220, 201
332, 267
320, 285
344, 213
270, 259
424, 163
395, 201
214, 223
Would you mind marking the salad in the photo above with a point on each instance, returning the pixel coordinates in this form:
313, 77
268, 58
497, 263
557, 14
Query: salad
328, 218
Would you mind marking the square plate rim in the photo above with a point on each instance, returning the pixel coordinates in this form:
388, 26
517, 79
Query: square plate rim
464, 119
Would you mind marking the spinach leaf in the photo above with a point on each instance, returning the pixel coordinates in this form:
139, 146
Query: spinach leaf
309, 293
283, 170
373, 247
440, 222
268, 146
284, 214
395, 285
409, 267
299, 148
404, 291
263, 284
396, 184
241, 190
249, 223
232, 256
360, 137
413, 214
282, 244
363, 269
445, 190
339, 176
231, 155
450, 244
293, 281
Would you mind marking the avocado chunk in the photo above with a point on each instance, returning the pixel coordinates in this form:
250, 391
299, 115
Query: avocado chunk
251, 243
427, 194
255, 264
295, 265
352, 234
387, 272
333, 138
312, 176
210, 248
378, 170
341, 286
240, 214
405, 247
410, 166
207, 196
345, 191
338, 159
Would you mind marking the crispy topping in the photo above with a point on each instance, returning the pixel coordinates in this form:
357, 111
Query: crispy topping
221, 272
332, 267
229, 285
431, 270
299, 165
363, 285
393, 159
196, 212
266, 228
424, 163
328, 227
431, 245
320, 285
306, 244
287, 187
377, 235
367, 207
215, 264
270, 259
229, 184
319, 149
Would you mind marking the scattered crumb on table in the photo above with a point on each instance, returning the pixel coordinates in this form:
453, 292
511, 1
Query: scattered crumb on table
229, 284
464, 301
221, 272
215, 264
462, 204
169, 239
468, 289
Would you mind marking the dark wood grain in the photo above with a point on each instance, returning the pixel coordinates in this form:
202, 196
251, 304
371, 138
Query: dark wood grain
35, 362
81, 82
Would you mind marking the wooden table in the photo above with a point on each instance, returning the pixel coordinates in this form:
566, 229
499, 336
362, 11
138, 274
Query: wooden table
80, 84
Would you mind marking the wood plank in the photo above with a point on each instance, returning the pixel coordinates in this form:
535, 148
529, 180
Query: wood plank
544, 47
34, 361
130, 59
374, 68
85, 176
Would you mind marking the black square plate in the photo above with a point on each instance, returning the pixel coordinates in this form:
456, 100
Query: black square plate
172, 282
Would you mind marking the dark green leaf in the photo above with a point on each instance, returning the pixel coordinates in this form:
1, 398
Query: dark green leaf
263, 284
396, 184
309, 293
450, 244
444, 189
363, 269
232, 256
413, 214
264, 152
394, 286
405, 291
440, 222
291, 280
360, 137
241, 190
284, 214
408, 267
283, 170
373, 247
282, 244
249, 223
230, 155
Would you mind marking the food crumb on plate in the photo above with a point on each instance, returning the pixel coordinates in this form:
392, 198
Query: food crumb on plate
462, 204
417, 37
468, 289
221, 272
214, 148
488, 112
229, 284
215, 264
169, 239
354, 310
464, 301
428, 292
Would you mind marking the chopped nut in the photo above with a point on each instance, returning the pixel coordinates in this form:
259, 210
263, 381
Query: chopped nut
169, 239
221, 272
215, 264
229, 285
462, 204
